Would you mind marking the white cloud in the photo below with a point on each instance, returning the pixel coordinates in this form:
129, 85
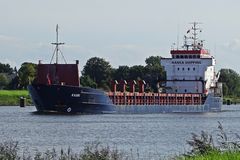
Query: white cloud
233, 45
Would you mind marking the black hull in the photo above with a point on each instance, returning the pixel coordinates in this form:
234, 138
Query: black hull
70, 99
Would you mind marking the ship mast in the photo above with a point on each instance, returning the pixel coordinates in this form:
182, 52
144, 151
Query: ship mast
57, 50
196, 44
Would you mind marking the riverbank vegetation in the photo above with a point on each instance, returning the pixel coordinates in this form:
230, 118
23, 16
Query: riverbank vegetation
216, 146
231, 85
12, 97
10, 151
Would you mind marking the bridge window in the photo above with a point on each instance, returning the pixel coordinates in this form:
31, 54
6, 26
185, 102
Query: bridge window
194, 56
181, 56
185, 90
188, 69
185, 56
194, 68
183, 69
177, 56
198, 56
190, 56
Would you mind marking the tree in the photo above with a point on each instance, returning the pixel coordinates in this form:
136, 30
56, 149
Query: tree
99, 70
86, 81
136, 72
27, 74
5, 68
121, 73
231, 81
154, 72
153, 61
3, 81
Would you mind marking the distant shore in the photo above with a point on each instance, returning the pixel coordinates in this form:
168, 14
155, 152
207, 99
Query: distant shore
231, 100
12, 97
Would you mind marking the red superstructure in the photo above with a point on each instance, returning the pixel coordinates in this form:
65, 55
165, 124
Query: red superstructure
64, 74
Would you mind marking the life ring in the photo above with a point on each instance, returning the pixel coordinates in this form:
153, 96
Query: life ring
69, 109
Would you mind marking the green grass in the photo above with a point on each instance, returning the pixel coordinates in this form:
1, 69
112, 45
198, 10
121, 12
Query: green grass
11, 97
217, 155
233, 100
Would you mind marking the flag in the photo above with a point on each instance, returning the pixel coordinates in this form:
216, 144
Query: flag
48, 79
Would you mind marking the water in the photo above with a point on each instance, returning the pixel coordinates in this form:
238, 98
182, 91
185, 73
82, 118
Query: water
147, 134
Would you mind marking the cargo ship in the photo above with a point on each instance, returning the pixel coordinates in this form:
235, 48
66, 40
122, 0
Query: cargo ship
191, 85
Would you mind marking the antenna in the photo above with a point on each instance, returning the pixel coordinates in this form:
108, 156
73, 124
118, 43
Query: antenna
195, 42
57, 50
195, 33
177, 36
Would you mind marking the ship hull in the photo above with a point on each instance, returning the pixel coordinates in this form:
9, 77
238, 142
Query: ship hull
69, 99
72, 99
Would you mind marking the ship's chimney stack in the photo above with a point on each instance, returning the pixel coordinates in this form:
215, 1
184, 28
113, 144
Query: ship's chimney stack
141, 84
123, 84
114, 84
132, 85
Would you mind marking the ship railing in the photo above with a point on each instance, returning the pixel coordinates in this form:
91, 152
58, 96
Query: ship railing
129, 98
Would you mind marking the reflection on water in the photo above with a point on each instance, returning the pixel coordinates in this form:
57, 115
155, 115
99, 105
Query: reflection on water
151, 134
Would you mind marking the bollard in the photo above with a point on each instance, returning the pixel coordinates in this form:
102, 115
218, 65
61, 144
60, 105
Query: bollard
228, 102
22, 102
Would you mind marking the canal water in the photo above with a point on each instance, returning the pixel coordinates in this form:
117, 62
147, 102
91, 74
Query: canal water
144, 135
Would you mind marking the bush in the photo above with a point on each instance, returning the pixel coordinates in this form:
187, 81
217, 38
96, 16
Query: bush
204, 146
10, 151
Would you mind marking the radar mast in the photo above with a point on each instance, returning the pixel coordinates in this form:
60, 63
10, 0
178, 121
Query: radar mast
57, 50
192, 36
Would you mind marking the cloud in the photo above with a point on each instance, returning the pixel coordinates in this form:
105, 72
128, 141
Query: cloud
233, 45
4, 38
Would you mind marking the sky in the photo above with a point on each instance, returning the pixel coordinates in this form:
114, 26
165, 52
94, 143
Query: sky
123, 32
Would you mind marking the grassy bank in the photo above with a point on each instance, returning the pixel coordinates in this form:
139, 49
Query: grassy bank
232, 100
11, 97
227, 155
220, 146
10, 151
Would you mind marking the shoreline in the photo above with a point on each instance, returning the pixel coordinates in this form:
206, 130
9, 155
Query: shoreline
12, 97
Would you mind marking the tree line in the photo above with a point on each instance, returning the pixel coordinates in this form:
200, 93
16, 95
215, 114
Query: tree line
98, 73
11, 78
